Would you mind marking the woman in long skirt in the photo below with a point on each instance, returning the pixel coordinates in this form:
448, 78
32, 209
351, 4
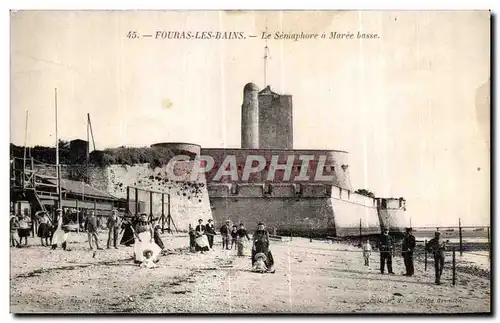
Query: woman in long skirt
44, 227
128, 233
24, 229
243, 240
157, 237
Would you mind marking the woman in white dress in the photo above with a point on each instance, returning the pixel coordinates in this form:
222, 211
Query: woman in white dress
144, 239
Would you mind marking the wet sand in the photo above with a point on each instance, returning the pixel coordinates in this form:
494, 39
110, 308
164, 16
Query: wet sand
315, 277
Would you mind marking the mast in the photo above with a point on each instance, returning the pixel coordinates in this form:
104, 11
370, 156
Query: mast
91, 132
267, 56
88, 149
58, 167
25, 144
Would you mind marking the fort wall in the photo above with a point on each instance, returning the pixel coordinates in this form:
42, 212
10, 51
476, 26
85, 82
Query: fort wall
321, 209
335, 165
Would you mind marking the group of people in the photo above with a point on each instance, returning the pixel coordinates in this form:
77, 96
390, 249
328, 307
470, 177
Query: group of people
138, 231
386, 245
19, 228
202, 240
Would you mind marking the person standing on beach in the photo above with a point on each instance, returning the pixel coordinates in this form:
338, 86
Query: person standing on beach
91, 227
44, 227
202, 244
243, 239
192, 239
14, 225
407, 248
210, 229
113, 225
437, 247
24, 230
386, 248
261, 246
367, 251
128, 232
234, 236
224, 231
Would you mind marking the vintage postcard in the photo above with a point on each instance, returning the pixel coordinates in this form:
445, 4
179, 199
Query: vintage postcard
250, 162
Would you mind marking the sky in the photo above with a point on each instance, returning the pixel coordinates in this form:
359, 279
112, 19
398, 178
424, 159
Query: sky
411, 106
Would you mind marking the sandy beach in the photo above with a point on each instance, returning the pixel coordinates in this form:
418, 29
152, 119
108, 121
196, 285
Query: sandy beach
317, 277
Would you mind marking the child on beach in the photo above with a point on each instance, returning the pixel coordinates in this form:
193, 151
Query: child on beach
148, 260
367, 251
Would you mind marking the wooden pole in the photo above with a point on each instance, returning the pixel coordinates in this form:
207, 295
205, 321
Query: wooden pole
77, 217
460, 236
168, 218
33, 170
454, 268
88, 150
489, 244
150, 206
425, 254
25, 144
360, 232
127, 207
58, 167
136, 201
163, 213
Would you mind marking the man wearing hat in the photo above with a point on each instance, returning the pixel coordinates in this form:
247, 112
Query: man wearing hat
437, 247
386, 248
224, 232
408, 247
210, 229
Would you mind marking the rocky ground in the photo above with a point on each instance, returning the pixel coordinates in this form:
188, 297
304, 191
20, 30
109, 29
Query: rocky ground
317, 277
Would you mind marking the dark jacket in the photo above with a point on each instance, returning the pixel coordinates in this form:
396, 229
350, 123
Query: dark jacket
408, 243
385, 243
200, 228
224, 230
209, 227
91, 224
242, 233
435, 247
261, 241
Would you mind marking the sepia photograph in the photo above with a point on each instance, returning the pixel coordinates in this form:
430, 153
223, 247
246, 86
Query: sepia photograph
250, 162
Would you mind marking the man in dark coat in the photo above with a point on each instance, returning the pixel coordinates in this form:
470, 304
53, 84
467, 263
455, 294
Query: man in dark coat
386, 247
114, 224
437, 247
91, 227
224, 232
408, 247
210, 229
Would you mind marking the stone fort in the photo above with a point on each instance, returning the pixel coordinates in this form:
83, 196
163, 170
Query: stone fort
285, 202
